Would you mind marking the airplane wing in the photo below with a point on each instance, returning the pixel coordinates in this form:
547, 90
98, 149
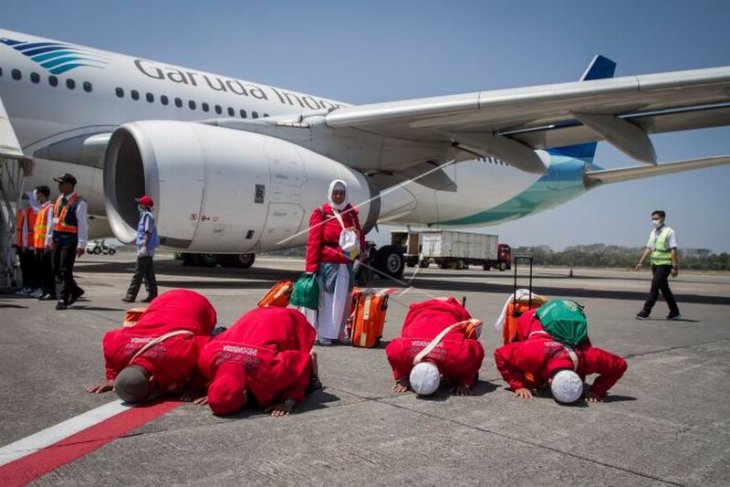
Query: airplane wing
606, 176
511, 123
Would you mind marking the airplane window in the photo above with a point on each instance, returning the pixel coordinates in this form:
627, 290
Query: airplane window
120, 92
35, 77
254, 114
218, 109
205, 107
134, 94
191, 104
52, 80
231, 112
265, 115
70, 84
16, 74
243, 113
150, 97
164, 100
88, 87
178, 102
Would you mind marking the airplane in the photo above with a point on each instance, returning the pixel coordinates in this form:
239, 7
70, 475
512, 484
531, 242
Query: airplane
236, 167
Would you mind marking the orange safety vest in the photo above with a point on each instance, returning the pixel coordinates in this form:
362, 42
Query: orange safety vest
40, 230
30, 217
19, 217
59, 222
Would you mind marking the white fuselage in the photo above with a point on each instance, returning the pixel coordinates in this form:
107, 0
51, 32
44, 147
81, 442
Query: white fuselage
103, 97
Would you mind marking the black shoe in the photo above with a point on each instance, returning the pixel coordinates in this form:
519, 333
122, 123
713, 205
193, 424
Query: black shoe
61, 305
148, 299
75, 295
128, 299
674, 316
642, 315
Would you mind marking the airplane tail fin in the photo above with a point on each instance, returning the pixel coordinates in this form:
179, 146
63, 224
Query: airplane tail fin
600, 67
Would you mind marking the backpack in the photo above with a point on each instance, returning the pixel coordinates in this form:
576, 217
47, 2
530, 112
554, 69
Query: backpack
564, 320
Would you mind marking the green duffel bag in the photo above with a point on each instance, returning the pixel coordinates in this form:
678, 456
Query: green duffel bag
306, 292
564, 320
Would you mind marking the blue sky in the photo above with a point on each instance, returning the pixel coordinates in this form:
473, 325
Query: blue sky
364, 52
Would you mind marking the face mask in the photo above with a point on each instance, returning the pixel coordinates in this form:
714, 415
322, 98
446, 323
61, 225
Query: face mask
657, 223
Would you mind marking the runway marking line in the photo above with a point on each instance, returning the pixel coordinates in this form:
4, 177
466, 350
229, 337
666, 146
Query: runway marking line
29, 458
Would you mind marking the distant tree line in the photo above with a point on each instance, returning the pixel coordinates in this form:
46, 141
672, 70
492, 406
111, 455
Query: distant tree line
600, 255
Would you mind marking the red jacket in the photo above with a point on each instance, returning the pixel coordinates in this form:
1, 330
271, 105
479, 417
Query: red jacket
541, 356
323, 243
172, 362
272, 346
457, 356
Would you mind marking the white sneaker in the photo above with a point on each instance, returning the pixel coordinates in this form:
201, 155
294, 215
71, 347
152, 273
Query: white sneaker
36, 293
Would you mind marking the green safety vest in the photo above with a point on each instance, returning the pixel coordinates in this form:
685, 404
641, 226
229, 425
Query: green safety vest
660, 254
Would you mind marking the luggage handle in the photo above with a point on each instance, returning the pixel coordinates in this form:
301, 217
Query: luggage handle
516, 313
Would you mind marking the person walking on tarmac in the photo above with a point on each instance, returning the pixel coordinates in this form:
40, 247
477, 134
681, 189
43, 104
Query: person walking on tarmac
147, 241
664, 257
42, 244
69, 235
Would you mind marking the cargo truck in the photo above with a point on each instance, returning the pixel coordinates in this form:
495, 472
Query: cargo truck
456, 250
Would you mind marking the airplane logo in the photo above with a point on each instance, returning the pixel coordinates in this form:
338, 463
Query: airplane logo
56, 57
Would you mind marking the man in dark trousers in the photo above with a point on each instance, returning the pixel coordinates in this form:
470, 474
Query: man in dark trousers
43, 237
147, 241
661, 249
70, 233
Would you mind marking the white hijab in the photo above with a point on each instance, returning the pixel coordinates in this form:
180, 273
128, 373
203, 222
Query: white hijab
337, 184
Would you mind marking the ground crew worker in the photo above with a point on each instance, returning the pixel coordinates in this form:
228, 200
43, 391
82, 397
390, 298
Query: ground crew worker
159, 353
445, 327
664, 257
266, 356
69, 236
41, 231
535, 362
25, 223
147, 241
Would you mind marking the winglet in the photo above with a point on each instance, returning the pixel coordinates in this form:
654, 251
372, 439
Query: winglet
600, 68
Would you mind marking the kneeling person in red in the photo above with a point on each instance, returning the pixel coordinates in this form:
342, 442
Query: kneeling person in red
439, 339
159, 353
266, 354
556, 351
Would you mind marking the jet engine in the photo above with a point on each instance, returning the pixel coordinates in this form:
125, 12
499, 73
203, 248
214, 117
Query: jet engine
219, 190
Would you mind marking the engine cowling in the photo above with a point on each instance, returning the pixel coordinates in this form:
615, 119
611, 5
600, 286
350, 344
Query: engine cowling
220, 190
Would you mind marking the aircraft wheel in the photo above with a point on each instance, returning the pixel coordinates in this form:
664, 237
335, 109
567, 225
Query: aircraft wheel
241, 261
389, 261
205, 260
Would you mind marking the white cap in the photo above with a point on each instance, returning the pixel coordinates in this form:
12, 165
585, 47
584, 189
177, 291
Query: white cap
425, 378
566, 386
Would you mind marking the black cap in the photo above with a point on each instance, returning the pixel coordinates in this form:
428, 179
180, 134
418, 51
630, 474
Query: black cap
66, 178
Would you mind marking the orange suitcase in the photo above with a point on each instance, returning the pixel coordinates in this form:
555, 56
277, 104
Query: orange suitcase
132, 316
278, 295
367, 317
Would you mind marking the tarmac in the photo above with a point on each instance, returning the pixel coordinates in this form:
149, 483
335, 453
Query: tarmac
667, 421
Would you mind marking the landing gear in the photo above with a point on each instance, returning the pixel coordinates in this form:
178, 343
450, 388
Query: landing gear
389, 261
241, 261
